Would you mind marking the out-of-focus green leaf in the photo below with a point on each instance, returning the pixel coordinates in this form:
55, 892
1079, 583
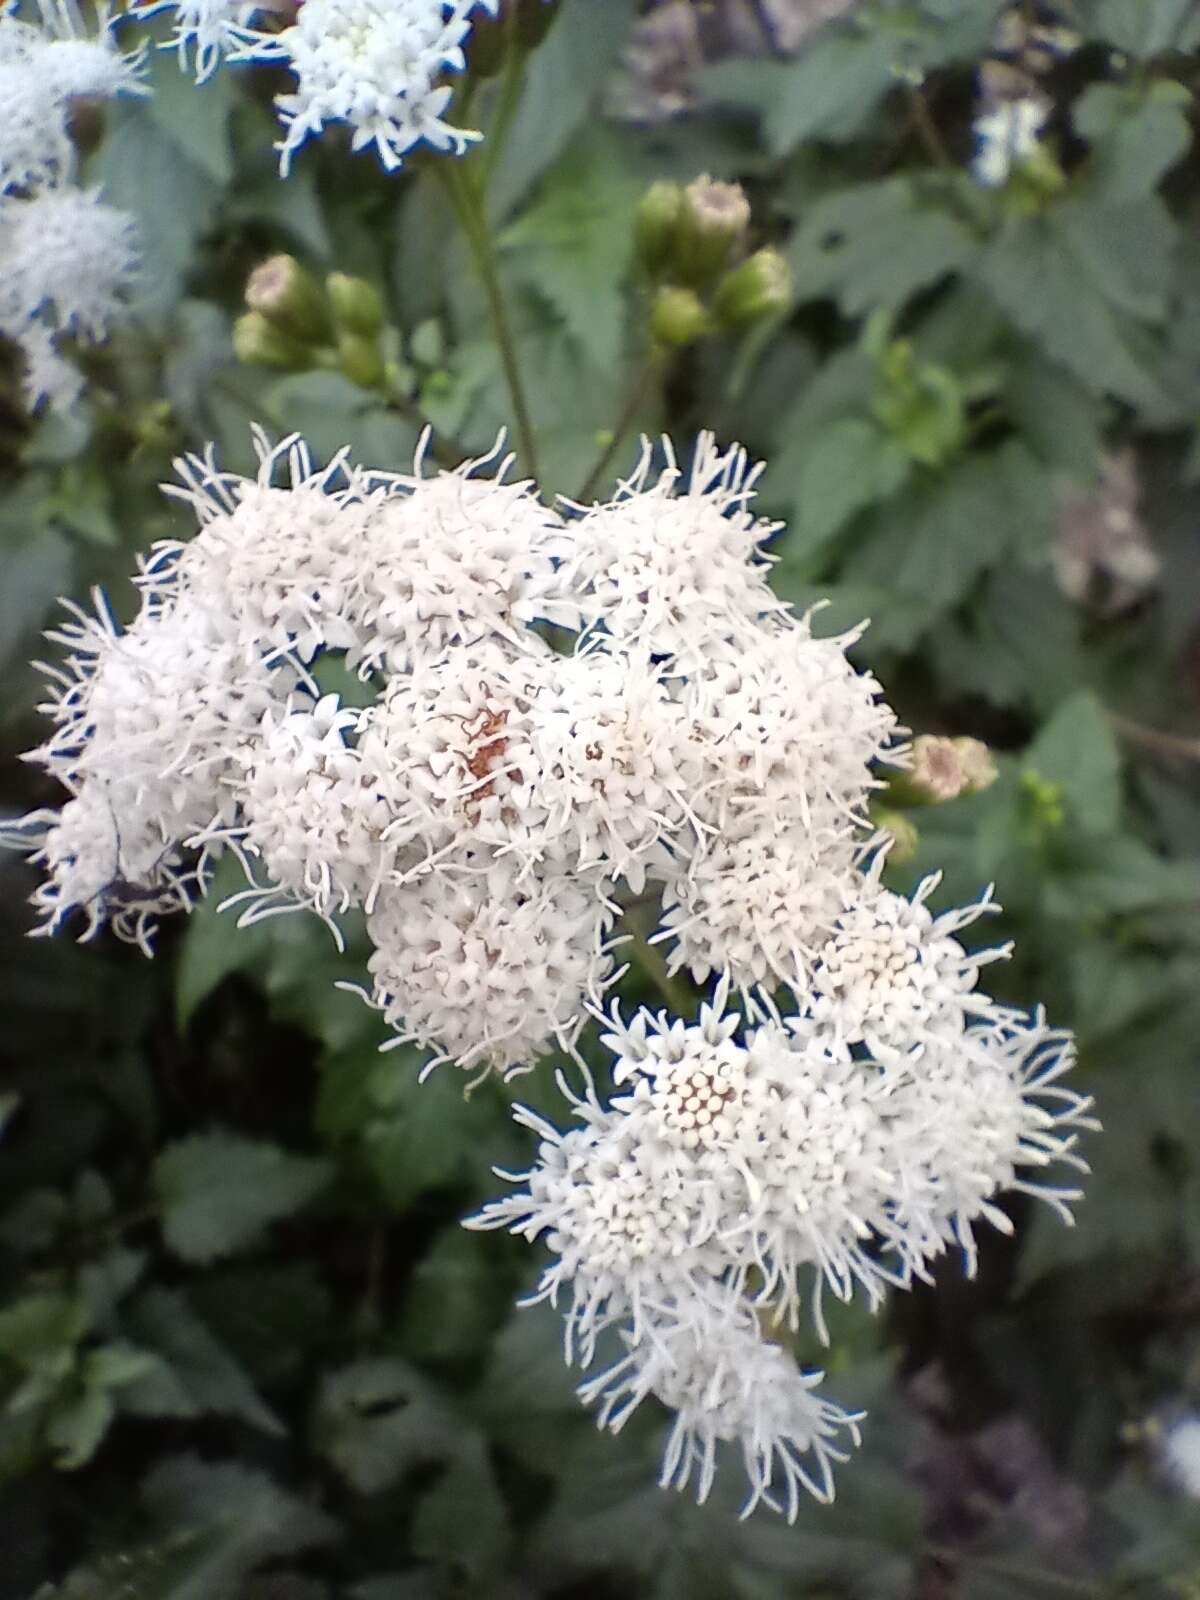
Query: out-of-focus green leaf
378, 1418
1138, 136
1077, 750
1145, 28
574, 243
197, 1374
1051, 277
579, 51
875, 245
828, 93
242, 1515
836, 470
218, 1192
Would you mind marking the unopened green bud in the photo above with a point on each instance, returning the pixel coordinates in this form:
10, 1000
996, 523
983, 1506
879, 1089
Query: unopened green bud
361, 360
979, 768
713, 220
678, 317
289, 297
902, 832
760, 287
259, 343
357, 305
654, 227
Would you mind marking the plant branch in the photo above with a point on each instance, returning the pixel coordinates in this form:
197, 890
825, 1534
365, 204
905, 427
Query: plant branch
464, 197
651, 369
1163, 744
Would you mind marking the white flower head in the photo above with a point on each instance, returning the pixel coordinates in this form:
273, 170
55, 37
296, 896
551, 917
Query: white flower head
706, 1360
286, 561
316, 801
758, 907
489, 965
376, 65
892, 974
42, 69
148, 720
457, 556
124, 877
675, 566
66, 251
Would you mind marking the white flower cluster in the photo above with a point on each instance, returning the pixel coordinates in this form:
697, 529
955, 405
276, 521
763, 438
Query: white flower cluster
1006, 136
67, 260
490, 813
376, 65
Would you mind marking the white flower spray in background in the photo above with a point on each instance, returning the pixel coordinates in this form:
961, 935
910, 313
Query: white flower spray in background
67, 260
493, 810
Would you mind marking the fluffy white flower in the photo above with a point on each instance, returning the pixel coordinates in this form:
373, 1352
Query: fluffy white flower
1005, 137
148, 721
759, 908
375, 65
41, 70
48, 378
792, 733
457, 556
65, 250
674, 567
984, 1114
316, 799
214, 29
708, 1363
125, 877
583, 761
288, 564
489, 965
893, 975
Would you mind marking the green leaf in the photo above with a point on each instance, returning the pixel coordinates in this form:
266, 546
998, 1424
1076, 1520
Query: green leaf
412, 1136
875, 245
331, 413
40, 1333
477, 1546
242, 1515
76, 1427
172, 199
197, 1374
376, 1419
1077, 750
934, 543
218, 1191
1051, 281
455, 1297
582, 45
1138, 137
574, 244
828, 93
837, 470
1145, 28
197, 124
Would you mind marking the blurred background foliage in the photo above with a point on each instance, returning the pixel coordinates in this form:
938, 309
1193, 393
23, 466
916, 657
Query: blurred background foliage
245, 1349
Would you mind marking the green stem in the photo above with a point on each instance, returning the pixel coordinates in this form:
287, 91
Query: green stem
651, 369
643, 955
464, 197
511, 84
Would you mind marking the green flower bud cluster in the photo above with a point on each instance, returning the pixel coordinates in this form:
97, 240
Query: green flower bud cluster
295, 323
690, 243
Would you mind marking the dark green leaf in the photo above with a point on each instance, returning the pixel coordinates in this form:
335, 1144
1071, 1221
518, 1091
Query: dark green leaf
1077, 750
218, 1191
